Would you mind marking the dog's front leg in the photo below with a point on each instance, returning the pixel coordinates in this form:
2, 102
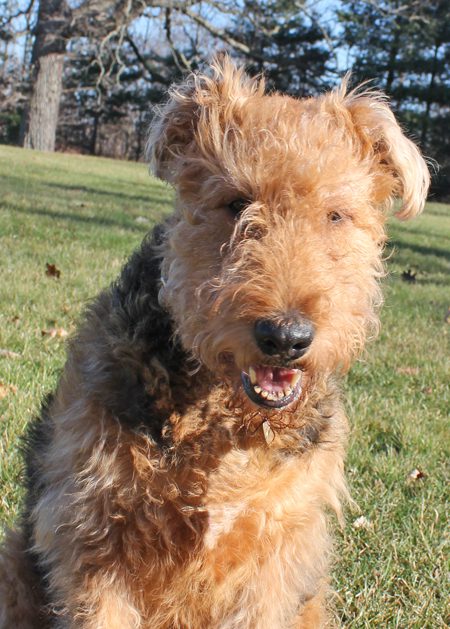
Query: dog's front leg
87, 583
20, 593
313, 615
100, 605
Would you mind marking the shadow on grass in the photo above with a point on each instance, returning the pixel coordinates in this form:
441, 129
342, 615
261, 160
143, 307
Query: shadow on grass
89, 220
424, 233
440, 211
146, 198
425, 281
21, 183
401, 253
422, 249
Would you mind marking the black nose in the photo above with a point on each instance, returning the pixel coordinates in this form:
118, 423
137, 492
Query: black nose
288, 337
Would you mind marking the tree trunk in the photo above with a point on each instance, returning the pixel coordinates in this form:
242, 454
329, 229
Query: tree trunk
430, 95
393, 52
43, 108
93, 143
40, 117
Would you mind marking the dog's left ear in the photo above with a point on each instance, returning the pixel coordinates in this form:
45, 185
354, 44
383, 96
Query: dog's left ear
401, 171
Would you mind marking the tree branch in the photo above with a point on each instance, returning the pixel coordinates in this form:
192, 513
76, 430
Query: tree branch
154, 74
180, 59
220, 34
19, 13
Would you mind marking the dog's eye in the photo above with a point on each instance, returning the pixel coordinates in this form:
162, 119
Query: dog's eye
335, 217
238, 205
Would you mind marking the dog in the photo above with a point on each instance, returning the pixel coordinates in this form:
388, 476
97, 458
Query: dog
181, 474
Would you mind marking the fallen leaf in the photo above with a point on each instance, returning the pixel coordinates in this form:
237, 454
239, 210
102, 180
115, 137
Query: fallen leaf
415, 475
269, 435
408, 371
361, 523
55, 333
7, 353
409, 276
6, 389
52, 270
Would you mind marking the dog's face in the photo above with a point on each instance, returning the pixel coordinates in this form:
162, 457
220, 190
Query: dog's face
273, 258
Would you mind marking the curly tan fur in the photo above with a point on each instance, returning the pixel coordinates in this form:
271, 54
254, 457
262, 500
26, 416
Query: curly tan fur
157, 499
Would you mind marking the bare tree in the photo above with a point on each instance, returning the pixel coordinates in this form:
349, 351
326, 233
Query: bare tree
57, 23
41, 113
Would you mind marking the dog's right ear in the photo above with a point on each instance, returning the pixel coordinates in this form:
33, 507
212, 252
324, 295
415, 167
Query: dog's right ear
196, 116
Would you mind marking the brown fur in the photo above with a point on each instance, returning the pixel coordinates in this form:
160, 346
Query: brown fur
154, 499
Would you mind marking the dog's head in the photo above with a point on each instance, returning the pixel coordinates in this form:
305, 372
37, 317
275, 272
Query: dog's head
273, 257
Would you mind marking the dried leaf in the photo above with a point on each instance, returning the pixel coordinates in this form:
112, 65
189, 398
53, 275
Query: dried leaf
415, 475
7, 353
409, 276
7, 389
269, 435
52, 270
55, 333
408, 371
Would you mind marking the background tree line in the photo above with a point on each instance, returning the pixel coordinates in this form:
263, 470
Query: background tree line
81, 75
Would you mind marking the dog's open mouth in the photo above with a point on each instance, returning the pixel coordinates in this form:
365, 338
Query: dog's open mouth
273, 387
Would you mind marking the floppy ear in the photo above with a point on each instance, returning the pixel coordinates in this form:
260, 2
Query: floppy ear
193, 118
401, 170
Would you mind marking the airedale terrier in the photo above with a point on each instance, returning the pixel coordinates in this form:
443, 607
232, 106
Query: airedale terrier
180, 475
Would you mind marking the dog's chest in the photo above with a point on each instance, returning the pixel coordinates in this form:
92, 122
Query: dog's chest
247, 499
221, 520
260, 514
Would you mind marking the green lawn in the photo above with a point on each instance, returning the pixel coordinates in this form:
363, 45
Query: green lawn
85, 215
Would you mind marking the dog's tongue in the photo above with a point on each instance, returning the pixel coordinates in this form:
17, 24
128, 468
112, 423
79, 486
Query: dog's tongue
272, 379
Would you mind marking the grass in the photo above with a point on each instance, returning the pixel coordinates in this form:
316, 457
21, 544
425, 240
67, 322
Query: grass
85, 215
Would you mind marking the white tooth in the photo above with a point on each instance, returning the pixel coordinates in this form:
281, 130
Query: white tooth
287, 391
264, 394
257, 389
281, 395
272, 397
252, 375
295, 378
